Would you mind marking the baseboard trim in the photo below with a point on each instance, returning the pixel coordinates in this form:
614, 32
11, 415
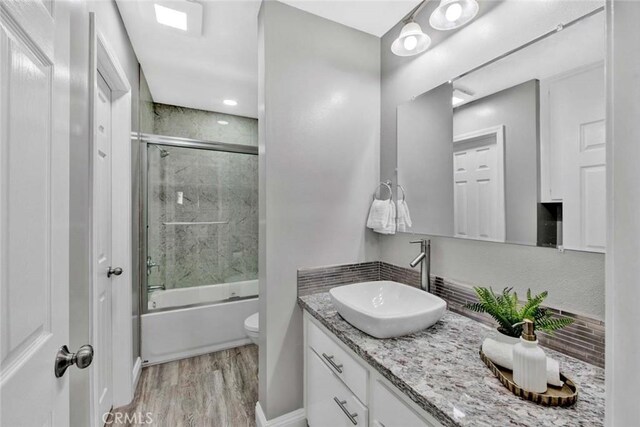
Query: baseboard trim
295, 418
172, 357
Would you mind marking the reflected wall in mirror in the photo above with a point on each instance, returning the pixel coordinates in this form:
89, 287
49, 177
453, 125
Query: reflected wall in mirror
514, 151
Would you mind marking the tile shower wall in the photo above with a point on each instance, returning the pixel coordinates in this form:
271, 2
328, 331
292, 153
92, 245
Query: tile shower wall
170, 120
584, 339
192, 185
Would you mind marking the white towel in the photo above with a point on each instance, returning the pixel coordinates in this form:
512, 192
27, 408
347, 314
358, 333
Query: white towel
502, 354
379, 214
390, 228
404, 219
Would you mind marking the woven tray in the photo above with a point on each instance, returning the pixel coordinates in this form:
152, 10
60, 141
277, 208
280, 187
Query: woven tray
566, 395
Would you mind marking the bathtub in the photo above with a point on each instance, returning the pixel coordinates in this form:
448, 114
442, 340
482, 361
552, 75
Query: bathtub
197, 295
207, 319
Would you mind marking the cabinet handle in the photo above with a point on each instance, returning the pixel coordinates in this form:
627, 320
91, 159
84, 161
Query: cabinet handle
332, 363
352, 417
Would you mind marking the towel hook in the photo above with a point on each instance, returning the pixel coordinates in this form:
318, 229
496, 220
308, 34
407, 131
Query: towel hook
386, 184
404, 193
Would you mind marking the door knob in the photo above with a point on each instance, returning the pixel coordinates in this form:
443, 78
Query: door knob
114, 271
64, 359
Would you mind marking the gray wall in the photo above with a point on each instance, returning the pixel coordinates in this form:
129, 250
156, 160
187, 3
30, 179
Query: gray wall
425, 154
517, 109
569, 276
111, 26
402, 78
623, 244
146, 113
319, 122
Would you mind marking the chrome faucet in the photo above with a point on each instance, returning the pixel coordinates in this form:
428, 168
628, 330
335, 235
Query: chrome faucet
156, 288
424, 259
151, 264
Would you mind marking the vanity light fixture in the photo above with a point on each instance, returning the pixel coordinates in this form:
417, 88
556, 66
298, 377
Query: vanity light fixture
171, 17
452, 14
230, 102
411, 40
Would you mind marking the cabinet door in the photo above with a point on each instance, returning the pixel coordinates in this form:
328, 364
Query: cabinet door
329, 402
341, 363
388, 410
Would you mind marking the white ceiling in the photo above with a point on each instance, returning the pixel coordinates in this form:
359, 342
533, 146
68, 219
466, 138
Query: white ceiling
371, 16
199, 72
222, 63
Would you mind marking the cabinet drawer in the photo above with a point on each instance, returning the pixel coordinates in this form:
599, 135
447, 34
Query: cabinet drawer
329, 401
388, 410
339, 361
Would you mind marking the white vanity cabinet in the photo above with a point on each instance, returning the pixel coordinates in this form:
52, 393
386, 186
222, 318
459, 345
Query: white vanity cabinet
343, 390
329, 401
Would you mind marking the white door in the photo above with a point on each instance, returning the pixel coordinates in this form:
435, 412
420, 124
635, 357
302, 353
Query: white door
478, 192
34, 211
103, 378
578, 127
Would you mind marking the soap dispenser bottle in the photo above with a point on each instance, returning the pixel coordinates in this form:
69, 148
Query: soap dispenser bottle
529, 361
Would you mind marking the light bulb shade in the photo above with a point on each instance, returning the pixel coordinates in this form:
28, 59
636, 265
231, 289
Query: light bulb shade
460, 13
411, 30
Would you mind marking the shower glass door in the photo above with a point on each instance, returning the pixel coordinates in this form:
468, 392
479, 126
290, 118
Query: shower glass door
202, 226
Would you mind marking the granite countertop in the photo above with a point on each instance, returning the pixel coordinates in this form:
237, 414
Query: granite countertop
440, 370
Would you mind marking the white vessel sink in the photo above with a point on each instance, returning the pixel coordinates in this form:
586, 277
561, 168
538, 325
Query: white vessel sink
387, 309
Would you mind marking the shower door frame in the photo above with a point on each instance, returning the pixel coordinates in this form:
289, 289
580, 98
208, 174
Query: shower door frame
147, 139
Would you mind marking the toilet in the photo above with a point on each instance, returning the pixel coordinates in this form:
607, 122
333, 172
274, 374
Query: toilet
251, 327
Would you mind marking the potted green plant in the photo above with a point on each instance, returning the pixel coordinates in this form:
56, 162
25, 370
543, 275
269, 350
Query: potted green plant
507, 311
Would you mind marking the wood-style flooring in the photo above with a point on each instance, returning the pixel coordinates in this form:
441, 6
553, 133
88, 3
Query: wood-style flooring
215, 390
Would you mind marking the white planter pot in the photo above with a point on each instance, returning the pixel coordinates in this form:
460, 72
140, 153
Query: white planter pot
499, 348
500, 337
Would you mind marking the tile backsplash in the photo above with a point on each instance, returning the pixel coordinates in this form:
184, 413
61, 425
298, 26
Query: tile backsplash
584, 339
315, 280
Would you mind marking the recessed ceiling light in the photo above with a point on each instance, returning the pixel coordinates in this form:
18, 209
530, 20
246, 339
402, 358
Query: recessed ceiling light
223, 122
231, 102
171, 17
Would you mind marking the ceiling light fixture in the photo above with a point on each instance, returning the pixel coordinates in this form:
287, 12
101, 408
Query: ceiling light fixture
223, 122
452, 14
411, 40
230, 102
171, 17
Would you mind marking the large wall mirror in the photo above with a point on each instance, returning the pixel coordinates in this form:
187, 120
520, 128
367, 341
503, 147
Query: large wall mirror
514, 151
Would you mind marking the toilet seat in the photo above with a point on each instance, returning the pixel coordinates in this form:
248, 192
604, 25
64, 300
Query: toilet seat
251, 323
